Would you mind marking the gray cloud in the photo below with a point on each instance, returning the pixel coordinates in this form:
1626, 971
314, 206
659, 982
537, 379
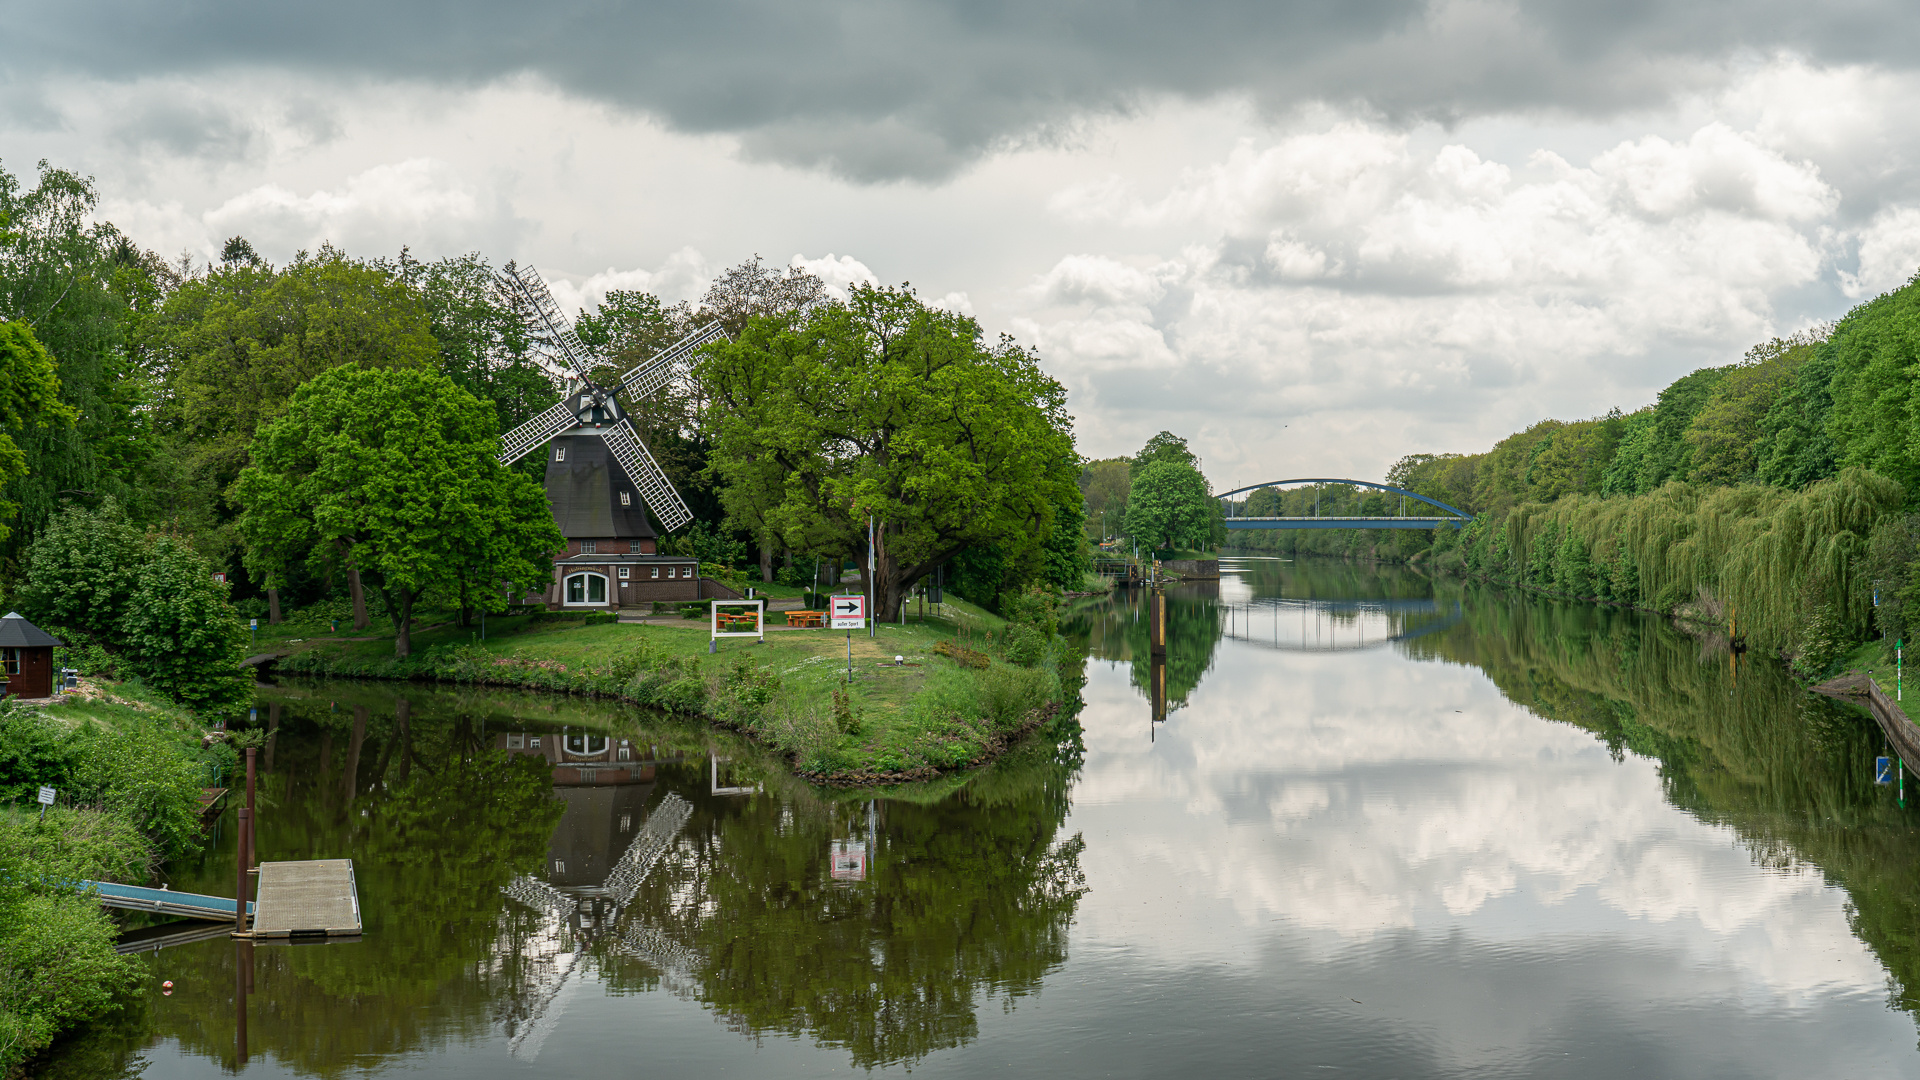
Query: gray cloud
884, 91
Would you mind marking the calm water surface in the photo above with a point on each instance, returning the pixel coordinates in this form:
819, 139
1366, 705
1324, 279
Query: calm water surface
1386, 827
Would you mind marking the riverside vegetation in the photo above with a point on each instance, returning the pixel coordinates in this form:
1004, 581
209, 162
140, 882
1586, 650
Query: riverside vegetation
940, 709
1775, 500
129, 771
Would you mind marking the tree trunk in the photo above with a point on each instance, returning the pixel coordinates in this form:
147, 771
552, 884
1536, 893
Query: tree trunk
403, 641
350, 782
766, 563
359, 598
273, 607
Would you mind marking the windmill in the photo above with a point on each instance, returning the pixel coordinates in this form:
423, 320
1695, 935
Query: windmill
599, 473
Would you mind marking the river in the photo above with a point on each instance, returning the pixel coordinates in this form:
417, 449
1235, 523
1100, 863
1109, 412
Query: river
1359, 822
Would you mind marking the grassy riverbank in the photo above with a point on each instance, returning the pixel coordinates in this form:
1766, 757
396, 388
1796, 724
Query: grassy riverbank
128, 771
953, 700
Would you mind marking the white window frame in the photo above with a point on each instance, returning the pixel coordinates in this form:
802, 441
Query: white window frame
586, 590
656, 573
559, 453
585, 739
626, 498
517, 741
589, 547
625, 572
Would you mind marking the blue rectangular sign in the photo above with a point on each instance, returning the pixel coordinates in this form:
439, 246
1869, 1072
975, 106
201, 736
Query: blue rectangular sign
1883, 770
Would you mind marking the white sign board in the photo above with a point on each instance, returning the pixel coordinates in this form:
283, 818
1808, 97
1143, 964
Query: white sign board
849, 612
757, 607
46, 796
848, 861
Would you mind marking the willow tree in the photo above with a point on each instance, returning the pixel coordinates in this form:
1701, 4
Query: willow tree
886, 410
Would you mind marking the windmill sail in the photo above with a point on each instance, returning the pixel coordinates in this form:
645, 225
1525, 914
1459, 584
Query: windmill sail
521, 441
668, 362
563, 348
667, 506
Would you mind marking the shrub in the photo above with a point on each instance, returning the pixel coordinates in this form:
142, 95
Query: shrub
846, 714
962, 655
179, 633
57, 962
1024, 646
1008, 694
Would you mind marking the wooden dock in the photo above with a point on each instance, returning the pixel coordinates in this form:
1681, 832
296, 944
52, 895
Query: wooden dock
313, 898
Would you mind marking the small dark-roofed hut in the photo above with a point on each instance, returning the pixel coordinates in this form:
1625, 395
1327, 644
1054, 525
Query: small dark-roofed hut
26, 657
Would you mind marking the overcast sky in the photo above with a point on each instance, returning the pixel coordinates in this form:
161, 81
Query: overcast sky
1309, 235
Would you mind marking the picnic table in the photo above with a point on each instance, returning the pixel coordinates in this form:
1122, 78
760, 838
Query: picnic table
738, 622
805, 618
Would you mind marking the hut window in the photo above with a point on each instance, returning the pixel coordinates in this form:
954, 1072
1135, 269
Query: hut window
13, 661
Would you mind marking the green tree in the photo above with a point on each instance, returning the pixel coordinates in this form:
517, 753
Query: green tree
482, 341
1875, 351
82, 572
1726, 434
1169, 506
883, 408
1795, 447
232, 346
1166, 446
1066, 560
394, 470
1104, 484
150, 600
178, 633
82, 286
29, 399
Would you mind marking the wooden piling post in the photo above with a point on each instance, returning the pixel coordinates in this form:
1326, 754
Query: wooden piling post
1157, 623
253, 850
240, 871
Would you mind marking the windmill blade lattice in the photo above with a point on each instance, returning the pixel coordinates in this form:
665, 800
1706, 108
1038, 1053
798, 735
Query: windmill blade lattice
668, 362
522, 440
667, 506
563, 347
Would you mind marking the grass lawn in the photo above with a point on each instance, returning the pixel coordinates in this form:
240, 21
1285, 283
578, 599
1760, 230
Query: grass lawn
839, 705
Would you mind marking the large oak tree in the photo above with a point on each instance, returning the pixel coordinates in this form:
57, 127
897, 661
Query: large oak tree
394, 471
885, 408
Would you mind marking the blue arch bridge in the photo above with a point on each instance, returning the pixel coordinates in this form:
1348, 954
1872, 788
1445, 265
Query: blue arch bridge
1453, 519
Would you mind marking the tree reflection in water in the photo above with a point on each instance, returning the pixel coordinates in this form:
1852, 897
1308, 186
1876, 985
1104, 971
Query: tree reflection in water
968, 894
1739, 742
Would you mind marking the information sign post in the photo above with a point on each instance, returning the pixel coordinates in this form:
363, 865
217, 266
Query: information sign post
759, 630
46, 800
849, 613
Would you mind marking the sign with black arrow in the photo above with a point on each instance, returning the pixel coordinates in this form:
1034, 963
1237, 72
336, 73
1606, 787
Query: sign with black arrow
849, 612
